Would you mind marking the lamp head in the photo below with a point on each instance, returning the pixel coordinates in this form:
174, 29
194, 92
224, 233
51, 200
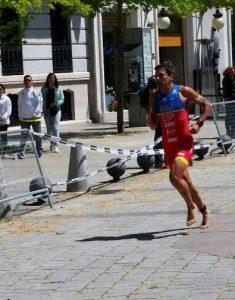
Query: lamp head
217, 21
163, 21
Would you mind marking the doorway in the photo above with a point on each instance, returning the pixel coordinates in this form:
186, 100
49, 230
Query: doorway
175, 55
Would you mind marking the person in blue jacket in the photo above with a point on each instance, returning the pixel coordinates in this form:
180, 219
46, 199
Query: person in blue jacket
53, 98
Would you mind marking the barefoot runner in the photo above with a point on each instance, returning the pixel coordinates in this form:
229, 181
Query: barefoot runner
168, 106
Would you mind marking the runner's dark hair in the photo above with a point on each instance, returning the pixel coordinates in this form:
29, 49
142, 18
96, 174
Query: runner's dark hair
167, 66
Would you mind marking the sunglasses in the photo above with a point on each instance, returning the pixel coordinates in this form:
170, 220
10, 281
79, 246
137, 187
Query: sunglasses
27, 80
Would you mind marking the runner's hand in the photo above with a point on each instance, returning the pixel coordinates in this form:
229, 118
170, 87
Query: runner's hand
194, 128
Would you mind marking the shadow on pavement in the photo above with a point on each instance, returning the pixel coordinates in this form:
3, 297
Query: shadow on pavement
94, 133
146, 236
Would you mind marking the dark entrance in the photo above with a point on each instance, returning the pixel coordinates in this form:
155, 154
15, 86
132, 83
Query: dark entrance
61, 43
14, 119
66, 111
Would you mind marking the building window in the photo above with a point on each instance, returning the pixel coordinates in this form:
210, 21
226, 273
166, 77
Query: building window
61, 42
11, 46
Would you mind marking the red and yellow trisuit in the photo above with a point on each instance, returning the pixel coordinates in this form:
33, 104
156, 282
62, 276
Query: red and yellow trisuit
173, 117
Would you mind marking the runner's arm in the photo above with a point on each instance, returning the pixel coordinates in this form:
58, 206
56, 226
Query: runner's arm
205, 105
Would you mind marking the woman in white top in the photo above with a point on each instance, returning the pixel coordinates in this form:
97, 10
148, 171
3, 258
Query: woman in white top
5, 112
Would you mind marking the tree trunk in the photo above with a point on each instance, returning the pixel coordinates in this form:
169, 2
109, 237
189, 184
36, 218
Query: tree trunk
121, 66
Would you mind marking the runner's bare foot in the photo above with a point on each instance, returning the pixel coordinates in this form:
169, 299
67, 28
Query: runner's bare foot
191, 218
205, 219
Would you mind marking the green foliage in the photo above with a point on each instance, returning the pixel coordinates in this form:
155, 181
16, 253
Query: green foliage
179, 8
12, 31
112, 106
203, 5
18, 16
21, 7
90, 7
9, 31
72, 6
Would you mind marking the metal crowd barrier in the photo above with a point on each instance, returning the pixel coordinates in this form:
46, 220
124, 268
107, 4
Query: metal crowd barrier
21, 180
224, 118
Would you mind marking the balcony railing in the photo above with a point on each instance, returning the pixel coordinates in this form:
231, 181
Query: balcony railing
62, 57
12, 61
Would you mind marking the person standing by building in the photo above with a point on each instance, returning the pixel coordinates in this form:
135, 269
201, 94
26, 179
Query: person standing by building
168, 106
144, 99
228, 85
30, 112
53, 98
5, 112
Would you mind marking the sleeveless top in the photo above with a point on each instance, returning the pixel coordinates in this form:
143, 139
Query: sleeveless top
173, 117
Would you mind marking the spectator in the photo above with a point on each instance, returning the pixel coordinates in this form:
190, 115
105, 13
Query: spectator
5, 112
144, 102
30, 109
53, 98
228, 84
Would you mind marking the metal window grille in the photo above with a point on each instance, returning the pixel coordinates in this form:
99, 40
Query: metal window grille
12, 60
62, 57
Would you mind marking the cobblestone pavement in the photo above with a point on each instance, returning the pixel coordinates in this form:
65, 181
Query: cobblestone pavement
125, 239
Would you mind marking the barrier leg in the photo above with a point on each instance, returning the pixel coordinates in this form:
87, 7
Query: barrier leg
78, 168
5, 207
